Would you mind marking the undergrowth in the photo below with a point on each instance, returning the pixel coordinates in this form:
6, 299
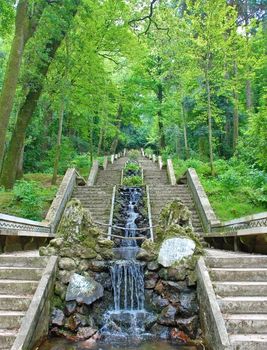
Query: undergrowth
235, 190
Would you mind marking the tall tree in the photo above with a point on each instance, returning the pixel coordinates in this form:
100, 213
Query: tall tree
25, 25
28, 107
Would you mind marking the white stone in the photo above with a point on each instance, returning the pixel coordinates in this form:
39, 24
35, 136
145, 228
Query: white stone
174, 249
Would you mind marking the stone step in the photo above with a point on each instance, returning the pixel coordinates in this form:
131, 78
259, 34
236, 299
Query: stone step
20, 273
232, 261
239, 274
11, 319
13, 287
246, 323
7, 338
240, 288
15, 302
249, 341
22, 261
243, 305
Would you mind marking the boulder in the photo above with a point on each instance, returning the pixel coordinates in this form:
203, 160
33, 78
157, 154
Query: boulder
57, 318
67, 264
83, 289
189, 325
85, 332
167, 316
174, 250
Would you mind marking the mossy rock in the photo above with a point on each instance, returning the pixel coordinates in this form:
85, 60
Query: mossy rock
175, 213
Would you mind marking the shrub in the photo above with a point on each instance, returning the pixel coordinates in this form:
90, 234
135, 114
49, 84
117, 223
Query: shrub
28, 194
133, 154
132, 181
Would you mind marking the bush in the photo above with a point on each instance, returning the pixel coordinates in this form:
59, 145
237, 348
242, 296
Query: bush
132, 181
27, 193
133, 154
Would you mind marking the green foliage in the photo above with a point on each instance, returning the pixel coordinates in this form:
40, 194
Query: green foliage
235, 191
30, 197
133, 154
132, 181
132, 167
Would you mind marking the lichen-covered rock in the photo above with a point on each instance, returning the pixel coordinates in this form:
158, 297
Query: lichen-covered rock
67, 264
57, 318
175, 249
83, 289
175, 213
75, 222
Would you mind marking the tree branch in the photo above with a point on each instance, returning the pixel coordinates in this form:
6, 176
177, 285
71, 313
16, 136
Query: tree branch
149, 17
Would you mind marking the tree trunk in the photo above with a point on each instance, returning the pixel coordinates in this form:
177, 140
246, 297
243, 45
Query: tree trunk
115, 142
91, 144
100, 141
162, 143
187, 153
249, 103
209, 121
58, 147
235, 115
24, 30
19, 173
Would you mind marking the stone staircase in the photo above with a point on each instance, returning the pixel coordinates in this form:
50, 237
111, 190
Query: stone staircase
240, 285
20, 274
161, 193
111, 176
97, 199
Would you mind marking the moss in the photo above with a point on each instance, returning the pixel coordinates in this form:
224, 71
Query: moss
57, 302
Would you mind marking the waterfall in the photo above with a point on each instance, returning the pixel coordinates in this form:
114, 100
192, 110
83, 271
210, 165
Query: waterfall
128, 285
127, 277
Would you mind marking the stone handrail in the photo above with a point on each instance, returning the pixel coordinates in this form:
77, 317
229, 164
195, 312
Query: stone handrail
105, 163
170, 171
160, 163
14, 223
112, 211
149, 213
212, 320
250, 222
63, 195
201, 200
93, 173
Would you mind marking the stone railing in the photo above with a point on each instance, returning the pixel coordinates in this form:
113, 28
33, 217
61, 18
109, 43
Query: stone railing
63, 195
254, 224
14, 223
201, 201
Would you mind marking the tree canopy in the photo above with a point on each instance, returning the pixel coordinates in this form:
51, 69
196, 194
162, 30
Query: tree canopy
184, 77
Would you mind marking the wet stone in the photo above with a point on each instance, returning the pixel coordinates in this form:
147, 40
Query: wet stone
188, 303
167, 316
160, 331
70, 308
153, 266
151, 279
57, 318
189, 325
85, 332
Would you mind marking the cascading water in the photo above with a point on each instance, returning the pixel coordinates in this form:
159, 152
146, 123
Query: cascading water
126, 320
128, 285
